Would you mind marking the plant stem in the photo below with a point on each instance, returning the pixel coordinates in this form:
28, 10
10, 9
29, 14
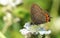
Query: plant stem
54, 9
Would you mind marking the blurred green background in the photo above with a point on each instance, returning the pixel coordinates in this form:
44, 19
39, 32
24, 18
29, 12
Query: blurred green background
23, 12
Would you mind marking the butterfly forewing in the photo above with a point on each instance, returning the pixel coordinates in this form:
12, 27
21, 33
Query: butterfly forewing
38, 15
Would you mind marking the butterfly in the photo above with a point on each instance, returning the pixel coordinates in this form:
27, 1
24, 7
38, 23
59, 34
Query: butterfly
38, 15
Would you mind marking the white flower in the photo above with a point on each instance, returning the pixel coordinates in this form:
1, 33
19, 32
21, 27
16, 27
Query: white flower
42, 32
45, 32
15, 2
24, 31
34, 29
48, 32
4, 2
27, 25
42, 25
8, 18
18, 2
12, 3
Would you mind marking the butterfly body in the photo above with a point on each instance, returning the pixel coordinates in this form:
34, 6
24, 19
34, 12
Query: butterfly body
38, 15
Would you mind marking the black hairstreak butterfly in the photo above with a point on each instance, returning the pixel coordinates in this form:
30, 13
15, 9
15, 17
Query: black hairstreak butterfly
38, 15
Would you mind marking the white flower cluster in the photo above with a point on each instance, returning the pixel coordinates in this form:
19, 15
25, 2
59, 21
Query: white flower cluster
25, 30
10, 2
34, 29
8, 18
45, 32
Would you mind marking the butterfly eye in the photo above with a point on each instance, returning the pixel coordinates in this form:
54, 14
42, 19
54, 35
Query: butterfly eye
48, 16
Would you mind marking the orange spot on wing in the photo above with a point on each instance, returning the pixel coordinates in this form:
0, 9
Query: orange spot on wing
47, 18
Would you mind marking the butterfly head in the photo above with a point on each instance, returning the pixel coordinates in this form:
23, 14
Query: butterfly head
48, 18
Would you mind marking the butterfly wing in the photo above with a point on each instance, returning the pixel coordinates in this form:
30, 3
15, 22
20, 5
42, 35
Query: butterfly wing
38, 15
